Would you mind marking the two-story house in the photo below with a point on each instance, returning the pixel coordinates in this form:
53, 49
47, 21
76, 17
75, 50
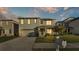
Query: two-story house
9, 27
66, 23
71, 25
28, 24
74, 25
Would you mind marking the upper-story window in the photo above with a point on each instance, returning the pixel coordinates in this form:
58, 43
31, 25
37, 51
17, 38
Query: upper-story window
35, 20
28, 21
1, 23
22, 21
41, 22
48, 22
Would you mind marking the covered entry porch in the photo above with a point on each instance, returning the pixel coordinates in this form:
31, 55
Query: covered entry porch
43, 30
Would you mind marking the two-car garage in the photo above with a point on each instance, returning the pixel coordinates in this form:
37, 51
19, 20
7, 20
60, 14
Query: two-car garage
25, 32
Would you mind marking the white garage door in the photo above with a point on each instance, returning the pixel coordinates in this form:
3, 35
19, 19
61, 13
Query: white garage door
25, 32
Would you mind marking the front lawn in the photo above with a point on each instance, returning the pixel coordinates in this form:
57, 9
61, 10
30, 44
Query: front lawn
50, 39
6, 38
71, 38
47, 39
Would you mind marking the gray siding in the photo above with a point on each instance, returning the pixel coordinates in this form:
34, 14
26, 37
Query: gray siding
75, 26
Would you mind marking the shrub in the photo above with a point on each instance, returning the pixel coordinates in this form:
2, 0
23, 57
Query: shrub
6, 38
47, 34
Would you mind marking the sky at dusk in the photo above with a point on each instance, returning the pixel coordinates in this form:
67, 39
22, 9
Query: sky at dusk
59, 13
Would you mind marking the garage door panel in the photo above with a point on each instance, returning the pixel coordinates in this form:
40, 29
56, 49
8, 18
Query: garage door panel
26, 32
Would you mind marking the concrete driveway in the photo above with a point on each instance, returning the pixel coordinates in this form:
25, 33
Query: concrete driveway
18, 44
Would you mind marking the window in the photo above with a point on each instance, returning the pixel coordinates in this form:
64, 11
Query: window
35, 20
1, 23
48, 22
6, 22
28, 21
49, 31
22, 21
41, 22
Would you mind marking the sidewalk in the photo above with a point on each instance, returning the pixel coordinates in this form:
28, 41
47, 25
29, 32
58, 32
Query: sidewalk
52, 45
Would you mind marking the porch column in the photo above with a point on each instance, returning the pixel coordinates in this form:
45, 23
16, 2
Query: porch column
39, 32
45, 32
2, 33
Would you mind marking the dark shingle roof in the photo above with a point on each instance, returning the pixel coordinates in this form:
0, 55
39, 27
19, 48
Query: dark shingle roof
28, 17
47, 19
73, 19
68, 19
36, 18
49, 26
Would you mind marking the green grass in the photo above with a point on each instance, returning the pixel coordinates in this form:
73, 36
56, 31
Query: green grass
47, 39
50, 39
6, 38
71, 38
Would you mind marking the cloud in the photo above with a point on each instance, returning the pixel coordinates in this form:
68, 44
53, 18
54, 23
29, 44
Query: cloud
3, 10
66, 14
33, 13
48, 9
66, 8
6, 14
37, 11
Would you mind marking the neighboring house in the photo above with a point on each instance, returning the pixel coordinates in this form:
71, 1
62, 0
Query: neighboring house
71, 25
28, 24
66, 23
9, 28
74, 25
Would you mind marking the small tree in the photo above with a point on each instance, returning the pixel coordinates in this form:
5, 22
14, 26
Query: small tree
59, 29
